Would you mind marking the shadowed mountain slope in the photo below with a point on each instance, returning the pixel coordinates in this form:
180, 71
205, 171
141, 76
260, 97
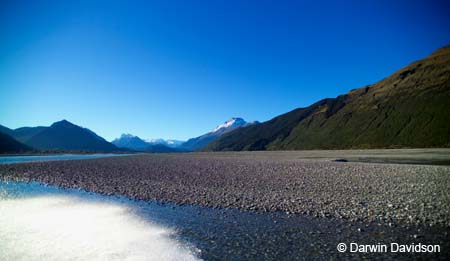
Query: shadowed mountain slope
6, 130
9, 145
66, 136
25, 133
410, 108
161, 148
203, 140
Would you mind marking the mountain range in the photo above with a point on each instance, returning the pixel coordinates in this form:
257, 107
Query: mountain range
410, 108
168, 143
135, 143
60, 136
68, 137
128, 141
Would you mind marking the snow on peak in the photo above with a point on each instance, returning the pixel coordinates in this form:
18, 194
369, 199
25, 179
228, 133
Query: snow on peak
155, 141
233, 122
168, 143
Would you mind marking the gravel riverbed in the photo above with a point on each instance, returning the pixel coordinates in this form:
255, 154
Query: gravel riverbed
393, 194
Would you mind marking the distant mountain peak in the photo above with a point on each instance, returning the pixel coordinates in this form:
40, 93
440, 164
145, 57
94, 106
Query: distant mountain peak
130, 141
127, 135
63, 122
203, 140
155, 141
233, 122
65, 136
169, 143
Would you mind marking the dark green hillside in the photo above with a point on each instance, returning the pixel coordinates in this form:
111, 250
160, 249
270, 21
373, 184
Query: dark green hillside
6, 130
25, 133
410, 108
66, 136
9, 145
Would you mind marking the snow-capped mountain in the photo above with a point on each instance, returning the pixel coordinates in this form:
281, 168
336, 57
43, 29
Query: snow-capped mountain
132, 142
135, 143
203, 140
168, 143
230, 125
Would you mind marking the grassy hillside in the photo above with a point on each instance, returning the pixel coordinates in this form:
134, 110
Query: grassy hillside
410, 108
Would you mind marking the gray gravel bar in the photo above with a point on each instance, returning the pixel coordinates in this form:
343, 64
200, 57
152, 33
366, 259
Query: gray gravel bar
310, 183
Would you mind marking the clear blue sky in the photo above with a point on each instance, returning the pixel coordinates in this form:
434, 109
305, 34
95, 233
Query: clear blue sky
176, 69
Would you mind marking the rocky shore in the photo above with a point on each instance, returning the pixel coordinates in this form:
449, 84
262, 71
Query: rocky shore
393, 194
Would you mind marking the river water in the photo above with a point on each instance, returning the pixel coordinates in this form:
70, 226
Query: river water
42, 222
46, 223
31, 158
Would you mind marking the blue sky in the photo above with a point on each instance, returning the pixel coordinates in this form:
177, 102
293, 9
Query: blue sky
176, 69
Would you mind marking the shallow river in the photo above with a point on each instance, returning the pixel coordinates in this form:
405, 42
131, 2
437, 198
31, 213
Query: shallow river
31, 158
40, 222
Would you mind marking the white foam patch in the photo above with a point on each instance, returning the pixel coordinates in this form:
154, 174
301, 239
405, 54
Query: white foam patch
67, 228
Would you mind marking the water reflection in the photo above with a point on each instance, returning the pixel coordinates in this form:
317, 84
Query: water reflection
39, 225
